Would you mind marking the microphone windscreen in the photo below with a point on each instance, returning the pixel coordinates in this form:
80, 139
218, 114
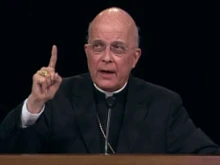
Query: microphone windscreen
110, 101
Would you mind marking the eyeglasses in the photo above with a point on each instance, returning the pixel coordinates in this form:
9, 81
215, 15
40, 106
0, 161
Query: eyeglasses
116, 47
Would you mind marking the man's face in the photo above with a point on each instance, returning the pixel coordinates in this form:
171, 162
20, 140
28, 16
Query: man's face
111, 55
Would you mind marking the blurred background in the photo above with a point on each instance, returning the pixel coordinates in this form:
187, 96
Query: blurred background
178, 39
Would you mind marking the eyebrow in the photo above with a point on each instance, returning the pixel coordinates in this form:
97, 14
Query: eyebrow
97, 40
113, 42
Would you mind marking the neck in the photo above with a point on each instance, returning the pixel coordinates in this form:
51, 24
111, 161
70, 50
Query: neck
108, 94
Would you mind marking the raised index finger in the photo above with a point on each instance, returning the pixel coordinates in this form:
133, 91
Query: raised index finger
53, 58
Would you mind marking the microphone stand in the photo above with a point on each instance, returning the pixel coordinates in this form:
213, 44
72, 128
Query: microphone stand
107, 131
110, 102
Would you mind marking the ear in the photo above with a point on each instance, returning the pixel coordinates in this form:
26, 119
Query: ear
137, 55
86, 49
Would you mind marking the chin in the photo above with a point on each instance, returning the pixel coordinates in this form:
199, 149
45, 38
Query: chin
106, 86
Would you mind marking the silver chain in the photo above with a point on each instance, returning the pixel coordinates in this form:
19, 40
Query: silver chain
100, 125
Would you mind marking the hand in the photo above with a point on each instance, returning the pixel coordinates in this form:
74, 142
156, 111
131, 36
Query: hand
46, 82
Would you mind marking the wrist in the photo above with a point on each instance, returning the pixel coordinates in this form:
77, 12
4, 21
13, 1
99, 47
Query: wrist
34, 105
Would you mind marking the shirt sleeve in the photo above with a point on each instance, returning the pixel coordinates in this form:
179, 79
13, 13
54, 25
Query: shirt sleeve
28, 118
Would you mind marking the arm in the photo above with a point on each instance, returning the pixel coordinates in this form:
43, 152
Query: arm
26, 131
17, 139
27, 118
183, 136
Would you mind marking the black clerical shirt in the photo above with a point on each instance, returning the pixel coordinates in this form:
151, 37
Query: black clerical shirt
117, 114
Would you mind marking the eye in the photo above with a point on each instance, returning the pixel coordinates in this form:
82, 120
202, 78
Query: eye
118, 48
98, 46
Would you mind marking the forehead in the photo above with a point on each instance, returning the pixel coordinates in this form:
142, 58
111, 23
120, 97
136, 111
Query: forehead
110, 31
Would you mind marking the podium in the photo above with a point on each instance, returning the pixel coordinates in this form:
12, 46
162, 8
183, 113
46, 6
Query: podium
108, 160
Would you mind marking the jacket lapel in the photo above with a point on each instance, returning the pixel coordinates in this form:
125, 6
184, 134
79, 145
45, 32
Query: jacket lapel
134, 116
85, 110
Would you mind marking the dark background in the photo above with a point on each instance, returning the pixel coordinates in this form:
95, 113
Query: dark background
178, 39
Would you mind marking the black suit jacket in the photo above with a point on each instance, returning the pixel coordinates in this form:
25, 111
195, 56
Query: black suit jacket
155, 122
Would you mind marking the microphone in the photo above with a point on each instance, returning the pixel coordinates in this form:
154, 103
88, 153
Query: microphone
110, 101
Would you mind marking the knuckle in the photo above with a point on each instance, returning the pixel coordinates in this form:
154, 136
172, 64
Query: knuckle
41, 79
50, 69
42, 68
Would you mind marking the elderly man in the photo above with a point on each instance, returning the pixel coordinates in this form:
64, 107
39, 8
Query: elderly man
106, 110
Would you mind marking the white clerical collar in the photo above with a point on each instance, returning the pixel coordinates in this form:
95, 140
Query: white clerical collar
107, 94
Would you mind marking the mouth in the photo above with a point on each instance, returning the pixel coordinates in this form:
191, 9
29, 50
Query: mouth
107, 73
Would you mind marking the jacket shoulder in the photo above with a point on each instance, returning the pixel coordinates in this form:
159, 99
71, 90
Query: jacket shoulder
156, 91
74, 82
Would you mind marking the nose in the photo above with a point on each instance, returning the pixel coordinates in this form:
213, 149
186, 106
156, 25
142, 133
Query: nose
107, 56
